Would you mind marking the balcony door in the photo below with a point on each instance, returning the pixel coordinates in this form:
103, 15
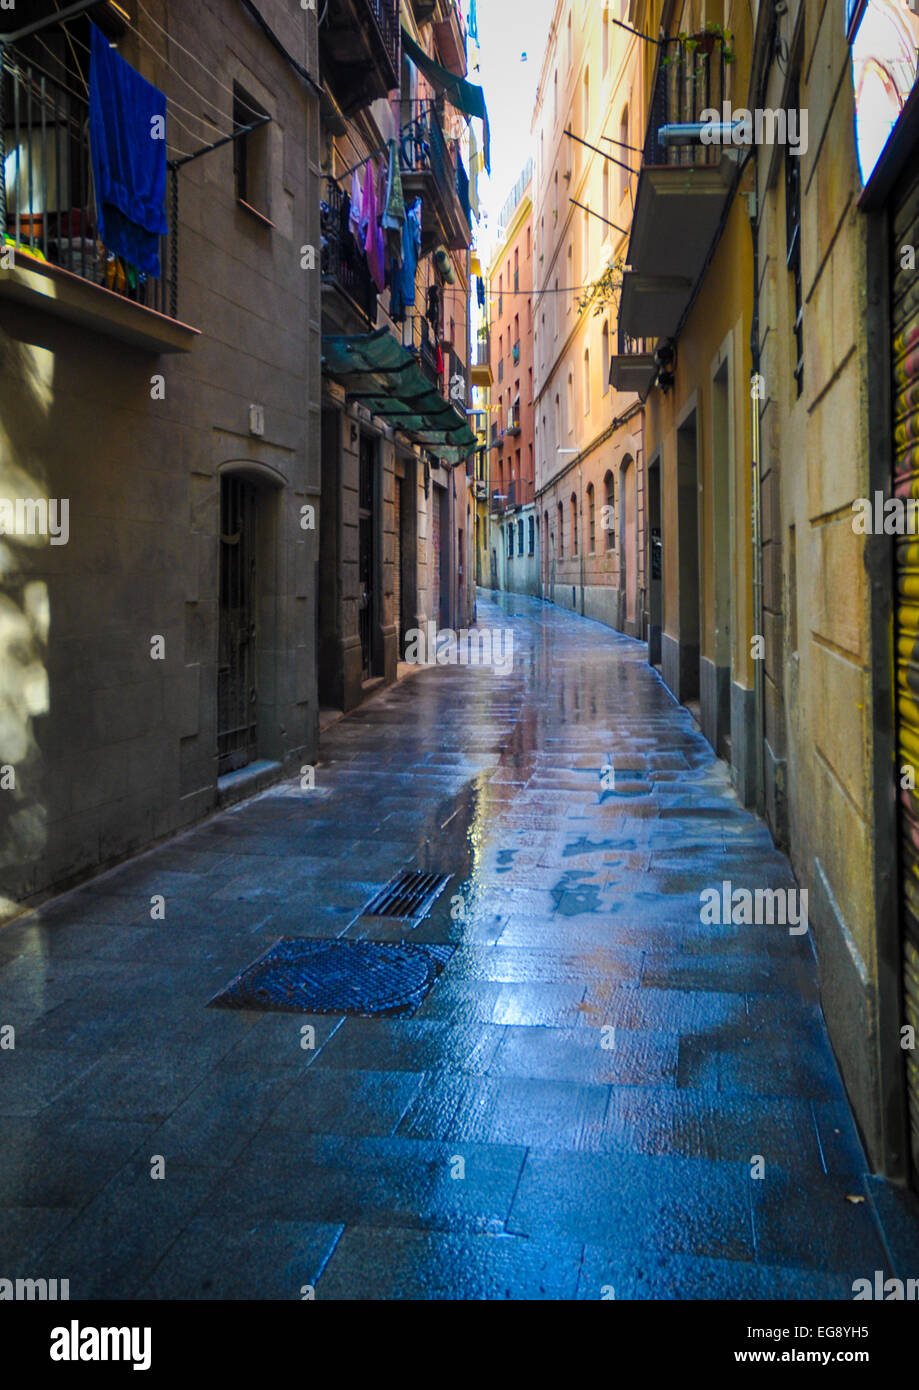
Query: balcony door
367, 555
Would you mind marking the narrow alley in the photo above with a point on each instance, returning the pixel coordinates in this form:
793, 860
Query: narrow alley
592, 1094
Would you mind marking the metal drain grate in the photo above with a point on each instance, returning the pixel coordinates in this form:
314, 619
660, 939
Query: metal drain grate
410, 894
367, 978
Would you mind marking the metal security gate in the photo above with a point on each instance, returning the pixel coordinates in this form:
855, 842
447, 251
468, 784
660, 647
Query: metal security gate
905, 358
434, 559
366, 553
237, 695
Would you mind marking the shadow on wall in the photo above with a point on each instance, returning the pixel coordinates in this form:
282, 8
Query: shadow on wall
26, 371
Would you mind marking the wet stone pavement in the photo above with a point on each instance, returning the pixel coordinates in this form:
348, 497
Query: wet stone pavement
574, 1107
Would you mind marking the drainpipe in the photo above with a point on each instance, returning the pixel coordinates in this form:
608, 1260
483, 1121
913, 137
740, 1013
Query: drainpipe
755, 451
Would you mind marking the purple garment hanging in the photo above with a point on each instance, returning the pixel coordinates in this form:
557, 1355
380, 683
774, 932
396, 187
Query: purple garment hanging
370, 226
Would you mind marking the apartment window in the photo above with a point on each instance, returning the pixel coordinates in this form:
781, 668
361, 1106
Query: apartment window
530, 461
609, 519
556, 194
591, 519
558, 419
623, 153
556, 306
574, 524
510, 541
531, 536
587, 381
251, 153
520, 535
606, 359
570, 403
561, 531
570, 51
604, 41
793, 242
529, 245
607, 207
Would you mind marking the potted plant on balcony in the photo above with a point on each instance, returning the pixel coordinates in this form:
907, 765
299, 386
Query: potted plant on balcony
704, 42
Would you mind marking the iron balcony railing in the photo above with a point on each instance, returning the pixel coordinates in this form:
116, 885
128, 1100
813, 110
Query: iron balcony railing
344, 265
385, 17
426, 150
47, 206
635, 347
482, 348
689, 80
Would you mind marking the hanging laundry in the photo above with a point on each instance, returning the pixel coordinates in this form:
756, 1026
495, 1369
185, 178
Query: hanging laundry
480, 292
472, 27
370, 227
403, 288
357, 203
394, 206
129, 167
474, 168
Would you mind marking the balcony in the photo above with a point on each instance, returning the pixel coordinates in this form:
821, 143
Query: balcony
683, 190
634, 367
513, 420
499, 502
344, 267
450, 35
418, 338
480, 373
432, 172
47, 216
359, 51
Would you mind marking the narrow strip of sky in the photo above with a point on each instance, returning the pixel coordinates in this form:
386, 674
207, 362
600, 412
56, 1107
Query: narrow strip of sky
507, 30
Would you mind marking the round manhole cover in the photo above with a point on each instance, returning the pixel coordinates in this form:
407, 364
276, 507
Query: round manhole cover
338, 977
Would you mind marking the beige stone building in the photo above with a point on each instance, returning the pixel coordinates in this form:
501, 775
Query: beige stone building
398, 537
162, 660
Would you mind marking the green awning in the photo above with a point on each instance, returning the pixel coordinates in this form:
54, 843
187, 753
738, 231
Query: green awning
385, 377
465, 96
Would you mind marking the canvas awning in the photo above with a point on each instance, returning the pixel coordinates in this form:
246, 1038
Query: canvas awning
465, 96
385, 377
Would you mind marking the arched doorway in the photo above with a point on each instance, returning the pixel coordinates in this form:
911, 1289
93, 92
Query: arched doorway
247, 622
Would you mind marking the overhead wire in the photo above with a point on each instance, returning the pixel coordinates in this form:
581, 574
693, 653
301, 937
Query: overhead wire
203, 66
205, 120
76, 61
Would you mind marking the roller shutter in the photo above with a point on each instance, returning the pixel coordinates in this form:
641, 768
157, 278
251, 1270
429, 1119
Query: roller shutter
905, 358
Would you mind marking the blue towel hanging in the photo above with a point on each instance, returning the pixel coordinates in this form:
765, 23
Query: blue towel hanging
129, 164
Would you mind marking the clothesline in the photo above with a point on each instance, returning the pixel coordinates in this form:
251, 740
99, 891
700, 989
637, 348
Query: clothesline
383, 149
